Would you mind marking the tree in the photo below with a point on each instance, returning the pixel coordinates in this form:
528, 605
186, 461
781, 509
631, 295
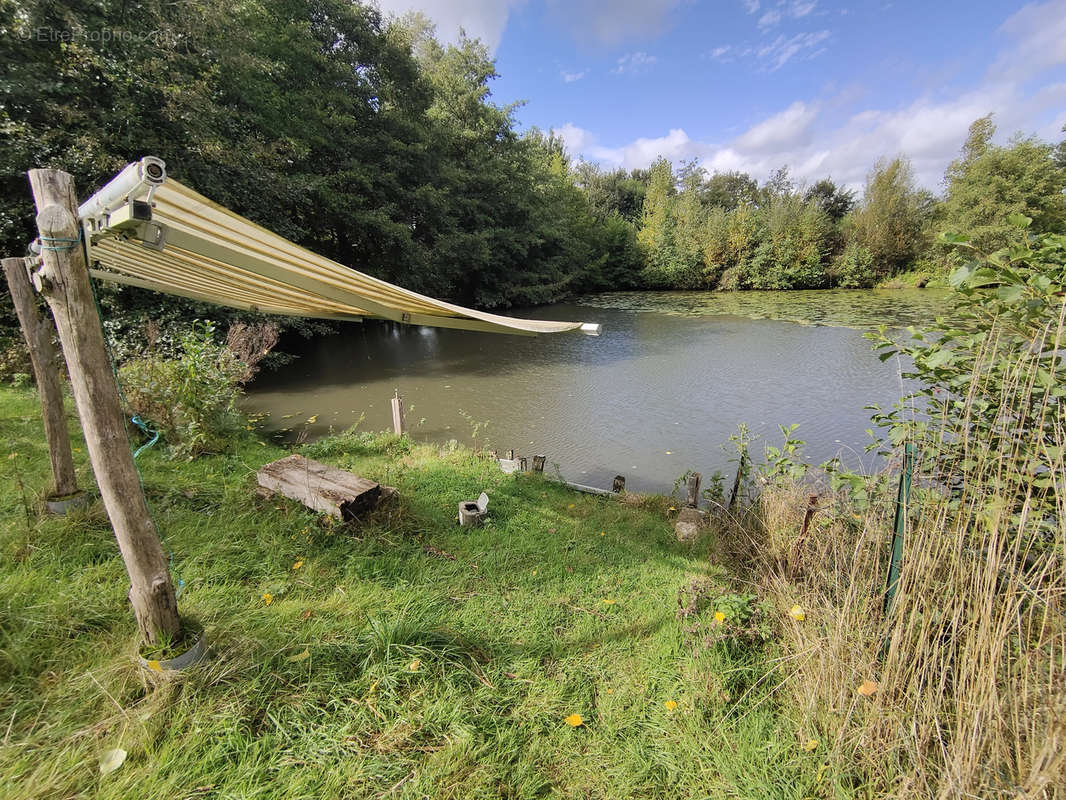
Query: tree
730, 189
890, 224
988, 184
835, 201
612, 192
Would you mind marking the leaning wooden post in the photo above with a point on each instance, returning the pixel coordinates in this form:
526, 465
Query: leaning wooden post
397, 414
693, 487
64, 281
37, 330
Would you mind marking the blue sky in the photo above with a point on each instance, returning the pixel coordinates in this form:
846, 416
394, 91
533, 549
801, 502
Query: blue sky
824, 87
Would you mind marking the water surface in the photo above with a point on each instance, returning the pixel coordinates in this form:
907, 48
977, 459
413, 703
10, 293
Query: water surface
671, 378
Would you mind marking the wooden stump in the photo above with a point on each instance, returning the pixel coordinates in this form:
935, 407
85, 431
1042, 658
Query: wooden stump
321, 487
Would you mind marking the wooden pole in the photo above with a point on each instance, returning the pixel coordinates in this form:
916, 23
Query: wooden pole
693, 487
619, 484
64, 281
37, 329
538, 463
397, 414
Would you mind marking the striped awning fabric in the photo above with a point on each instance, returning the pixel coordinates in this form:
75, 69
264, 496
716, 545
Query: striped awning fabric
206, 252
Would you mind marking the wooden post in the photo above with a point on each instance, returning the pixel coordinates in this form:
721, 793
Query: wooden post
797, 547
397, 414
693, 486
736, 484
619, 485
538, 463
64, 281
37, 330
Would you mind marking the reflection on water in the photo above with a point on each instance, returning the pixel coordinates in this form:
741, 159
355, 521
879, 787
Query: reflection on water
661, 390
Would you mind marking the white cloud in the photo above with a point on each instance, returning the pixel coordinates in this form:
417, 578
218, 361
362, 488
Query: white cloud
751, 6
721, 53
636, 63
769, 19
481, 19
796, 9
782, 130
570, 77
1040, 33
610, 23
816, 142
777, 53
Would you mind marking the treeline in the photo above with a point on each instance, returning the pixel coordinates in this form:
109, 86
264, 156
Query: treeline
366, 140
726, 231
362, 139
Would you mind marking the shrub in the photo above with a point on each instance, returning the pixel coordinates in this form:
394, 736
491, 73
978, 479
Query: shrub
190, 393
854, 268
954, 687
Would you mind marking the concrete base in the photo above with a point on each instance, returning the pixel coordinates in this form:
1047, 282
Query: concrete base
687, 526
473, 512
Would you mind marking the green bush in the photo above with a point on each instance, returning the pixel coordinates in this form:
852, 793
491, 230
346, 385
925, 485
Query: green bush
854, 268
189, 394
989, 407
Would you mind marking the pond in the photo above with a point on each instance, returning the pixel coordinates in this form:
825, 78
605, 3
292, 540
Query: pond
660, 392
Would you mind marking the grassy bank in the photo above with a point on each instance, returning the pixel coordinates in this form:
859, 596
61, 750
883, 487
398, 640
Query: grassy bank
402, 658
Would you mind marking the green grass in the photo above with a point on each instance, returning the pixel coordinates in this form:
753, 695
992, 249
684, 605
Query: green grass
314, 694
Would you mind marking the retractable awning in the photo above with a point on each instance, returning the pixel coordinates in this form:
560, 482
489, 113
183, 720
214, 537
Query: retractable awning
150, 231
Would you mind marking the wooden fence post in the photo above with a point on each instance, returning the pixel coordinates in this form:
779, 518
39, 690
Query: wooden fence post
37, 330
397, 413
693, 487
64, 281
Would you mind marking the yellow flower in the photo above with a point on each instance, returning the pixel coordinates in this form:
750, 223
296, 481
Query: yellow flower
311, 420
603, 533
268, 598
719, 616
797, 614
570, 506
672, 508
609, 601
671, 705
867, 688
534, 572
415, 665
298, 564
610, 691
810, 744
574, 720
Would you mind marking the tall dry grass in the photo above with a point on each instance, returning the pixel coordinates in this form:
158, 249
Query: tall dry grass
970, 661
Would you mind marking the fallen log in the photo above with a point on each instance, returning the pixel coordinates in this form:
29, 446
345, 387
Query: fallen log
321, 487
